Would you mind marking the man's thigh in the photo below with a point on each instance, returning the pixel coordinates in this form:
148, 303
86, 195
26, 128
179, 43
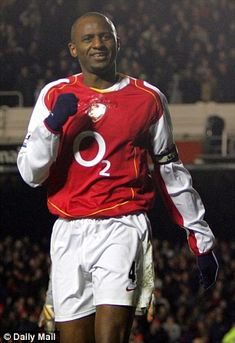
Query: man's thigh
113, 323
71, 287
78, 330
117, 272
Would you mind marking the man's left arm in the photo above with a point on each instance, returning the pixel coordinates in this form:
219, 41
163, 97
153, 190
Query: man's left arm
183, 202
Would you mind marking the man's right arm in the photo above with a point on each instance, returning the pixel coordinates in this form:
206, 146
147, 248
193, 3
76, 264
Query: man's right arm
40, 147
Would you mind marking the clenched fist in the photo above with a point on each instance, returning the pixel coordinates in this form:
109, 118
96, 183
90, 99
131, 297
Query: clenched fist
65, 106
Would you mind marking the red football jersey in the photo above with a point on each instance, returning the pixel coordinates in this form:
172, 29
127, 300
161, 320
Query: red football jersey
102, 167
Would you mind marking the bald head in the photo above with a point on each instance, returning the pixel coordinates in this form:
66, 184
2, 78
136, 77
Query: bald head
97, 15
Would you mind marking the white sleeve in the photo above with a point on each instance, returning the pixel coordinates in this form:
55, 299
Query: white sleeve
182, 200
40, 147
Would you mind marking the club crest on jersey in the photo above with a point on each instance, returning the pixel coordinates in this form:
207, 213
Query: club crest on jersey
96, 111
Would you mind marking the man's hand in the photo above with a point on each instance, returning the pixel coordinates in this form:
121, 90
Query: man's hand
65, 106
208, 267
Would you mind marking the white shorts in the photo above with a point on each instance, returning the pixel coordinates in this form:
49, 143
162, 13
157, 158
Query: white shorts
97, 261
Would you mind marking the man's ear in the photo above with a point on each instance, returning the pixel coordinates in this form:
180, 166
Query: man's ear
73, 50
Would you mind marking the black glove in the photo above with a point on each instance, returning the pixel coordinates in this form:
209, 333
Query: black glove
208, 267
65, 106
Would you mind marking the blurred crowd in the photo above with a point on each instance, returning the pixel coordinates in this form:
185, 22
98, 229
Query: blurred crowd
23, 282
182, 313
185, 48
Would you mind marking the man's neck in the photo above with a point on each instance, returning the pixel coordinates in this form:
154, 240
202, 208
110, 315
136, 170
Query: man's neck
100, 81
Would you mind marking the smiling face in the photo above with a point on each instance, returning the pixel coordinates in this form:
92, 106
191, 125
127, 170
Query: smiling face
95, 44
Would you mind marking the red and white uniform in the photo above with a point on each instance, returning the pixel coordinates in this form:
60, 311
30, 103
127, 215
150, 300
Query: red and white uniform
97, 167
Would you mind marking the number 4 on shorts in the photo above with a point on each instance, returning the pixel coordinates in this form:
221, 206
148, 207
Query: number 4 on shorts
132, 272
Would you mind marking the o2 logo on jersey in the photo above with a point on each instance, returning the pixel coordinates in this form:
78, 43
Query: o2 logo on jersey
99, 156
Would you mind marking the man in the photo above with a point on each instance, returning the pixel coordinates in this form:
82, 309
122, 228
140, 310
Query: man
88, 141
